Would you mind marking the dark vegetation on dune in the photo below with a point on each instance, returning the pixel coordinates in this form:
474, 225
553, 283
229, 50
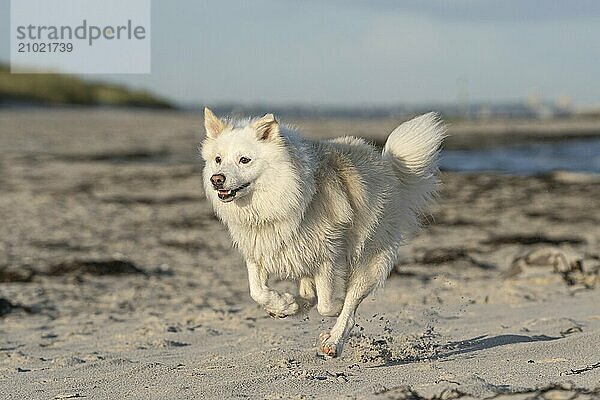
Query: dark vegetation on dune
59, 89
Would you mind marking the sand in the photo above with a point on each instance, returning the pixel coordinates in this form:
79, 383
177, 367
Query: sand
116, 281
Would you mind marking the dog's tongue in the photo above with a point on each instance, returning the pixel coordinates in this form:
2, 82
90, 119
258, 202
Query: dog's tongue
221, 191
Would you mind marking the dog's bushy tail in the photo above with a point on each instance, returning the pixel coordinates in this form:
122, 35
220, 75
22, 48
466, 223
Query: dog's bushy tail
413, 151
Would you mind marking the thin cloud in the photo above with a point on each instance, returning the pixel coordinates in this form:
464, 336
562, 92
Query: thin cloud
485, 10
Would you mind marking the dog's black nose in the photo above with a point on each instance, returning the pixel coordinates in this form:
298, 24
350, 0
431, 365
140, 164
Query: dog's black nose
217, 180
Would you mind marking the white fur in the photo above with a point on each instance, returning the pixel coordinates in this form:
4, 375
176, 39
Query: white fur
330, 214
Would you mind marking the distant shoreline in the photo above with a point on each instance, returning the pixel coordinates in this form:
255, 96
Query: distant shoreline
462, 135
48, 89
465, 135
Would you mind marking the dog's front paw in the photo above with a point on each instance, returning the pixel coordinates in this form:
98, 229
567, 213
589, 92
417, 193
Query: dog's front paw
285, 305
328, 347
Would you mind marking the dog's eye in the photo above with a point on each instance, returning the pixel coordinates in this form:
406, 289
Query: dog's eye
218, 160
244, 160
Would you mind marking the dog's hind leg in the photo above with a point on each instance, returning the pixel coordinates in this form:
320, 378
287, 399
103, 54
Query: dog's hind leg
307, 290
360, 285
330, 280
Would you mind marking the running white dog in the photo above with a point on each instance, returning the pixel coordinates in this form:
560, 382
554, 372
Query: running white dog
330, 214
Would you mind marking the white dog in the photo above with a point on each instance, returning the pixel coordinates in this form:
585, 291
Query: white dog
330, 214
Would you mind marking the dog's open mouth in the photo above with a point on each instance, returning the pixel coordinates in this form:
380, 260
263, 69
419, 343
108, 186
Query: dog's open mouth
229, 195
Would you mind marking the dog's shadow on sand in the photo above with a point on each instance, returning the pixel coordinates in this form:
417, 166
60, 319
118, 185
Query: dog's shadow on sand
466, 346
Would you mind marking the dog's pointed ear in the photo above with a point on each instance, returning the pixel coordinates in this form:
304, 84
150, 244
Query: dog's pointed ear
267, 127
213, 125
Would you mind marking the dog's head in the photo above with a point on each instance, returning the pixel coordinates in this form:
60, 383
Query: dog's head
240, 159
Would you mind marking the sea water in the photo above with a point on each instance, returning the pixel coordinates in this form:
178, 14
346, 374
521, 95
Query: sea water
581, 155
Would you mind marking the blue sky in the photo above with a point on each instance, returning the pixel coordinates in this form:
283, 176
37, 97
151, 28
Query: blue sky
374, 52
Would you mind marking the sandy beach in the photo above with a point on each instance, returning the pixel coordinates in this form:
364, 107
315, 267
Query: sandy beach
117, 281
